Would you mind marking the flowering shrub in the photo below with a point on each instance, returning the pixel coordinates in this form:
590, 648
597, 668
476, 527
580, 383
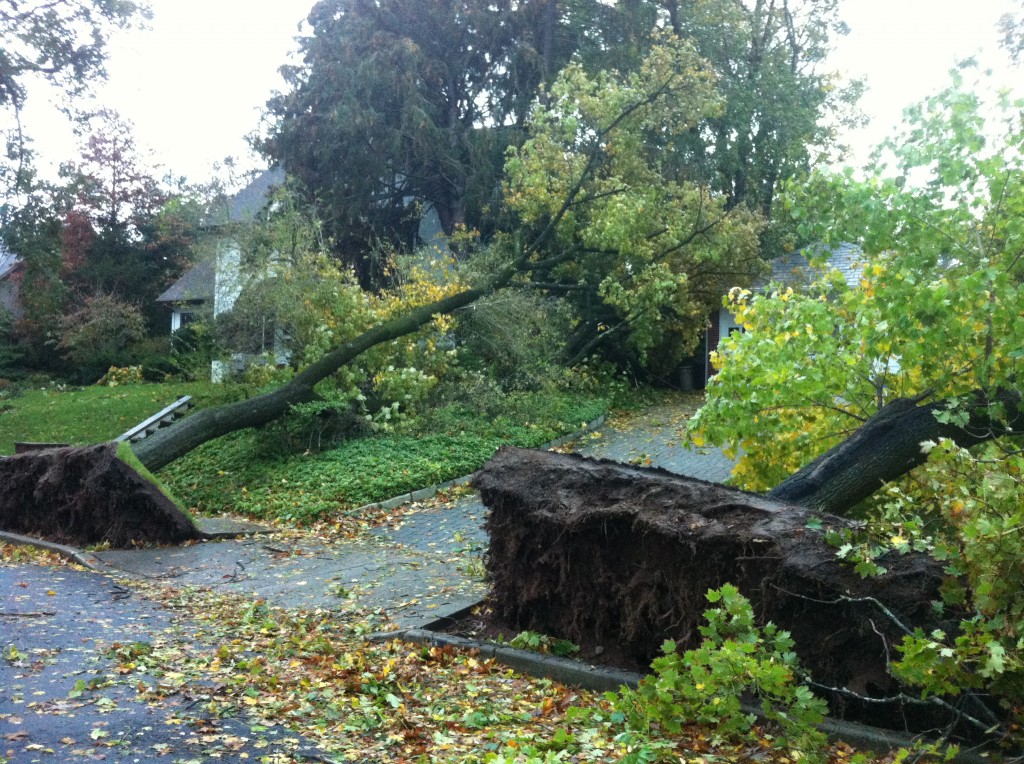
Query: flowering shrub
121, 375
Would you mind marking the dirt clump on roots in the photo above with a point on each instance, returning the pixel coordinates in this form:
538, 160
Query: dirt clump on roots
84, 496
603, 553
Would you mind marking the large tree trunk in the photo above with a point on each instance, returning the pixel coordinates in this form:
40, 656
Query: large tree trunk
610, 554
173, 442
888, 445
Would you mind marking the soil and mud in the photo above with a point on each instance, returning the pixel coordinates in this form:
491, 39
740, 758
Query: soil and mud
85, 496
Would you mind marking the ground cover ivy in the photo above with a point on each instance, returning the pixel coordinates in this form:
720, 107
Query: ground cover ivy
243, 473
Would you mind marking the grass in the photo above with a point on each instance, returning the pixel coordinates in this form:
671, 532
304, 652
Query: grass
126, 455
248, 473
79, 416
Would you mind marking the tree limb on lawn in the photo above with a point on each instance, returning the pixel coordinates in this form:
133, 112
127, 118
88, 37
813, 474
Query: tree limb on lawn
173, 442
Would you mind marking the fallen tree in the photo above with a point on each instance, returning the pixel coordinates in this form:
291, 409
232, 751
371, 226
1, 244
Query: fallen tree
564, 189
888, 445
610, 554
170, 443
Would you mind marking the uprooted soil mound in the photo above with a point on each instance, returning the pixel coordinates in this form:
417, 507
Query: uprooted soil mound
86, 496
604, 553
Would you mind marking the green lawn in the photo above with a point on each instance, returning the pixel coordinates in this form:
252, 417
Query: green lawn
83, 415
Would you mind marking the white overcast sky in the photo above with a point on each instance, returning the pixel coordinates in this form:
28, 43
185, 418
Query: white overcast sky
194, 83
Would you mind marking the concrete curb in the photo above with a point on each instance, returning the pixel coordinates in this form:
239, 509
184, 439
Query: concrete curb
71, 553
600, 679
431, 491
564, 670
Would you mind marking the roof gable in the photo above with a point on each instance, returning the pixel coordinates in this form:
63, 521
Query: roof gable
195, 284
8, 261
794, 269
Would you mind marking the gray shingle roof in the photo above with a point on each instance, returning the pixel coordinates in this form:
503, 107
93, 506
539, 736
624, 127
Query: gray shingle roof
195, 284
795, 270
246, 204
198, 283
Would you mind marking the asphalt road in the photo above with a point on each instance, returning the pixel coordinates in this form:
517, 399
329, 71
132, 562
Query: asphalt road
62, 700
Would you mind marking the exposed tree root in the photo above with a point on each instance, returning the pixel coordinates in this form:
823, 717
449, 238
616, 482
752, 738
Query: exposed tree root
597, 551
84, 496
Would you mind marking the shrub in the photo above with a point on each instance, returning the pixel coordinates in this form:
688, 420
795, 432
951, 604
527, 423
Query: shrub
193, 349
10, 353
514, 337
121, 375
98, 334
707, 685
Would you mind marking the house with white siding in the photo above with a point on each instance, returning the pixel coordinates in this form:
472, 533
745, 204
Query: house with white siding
12, 270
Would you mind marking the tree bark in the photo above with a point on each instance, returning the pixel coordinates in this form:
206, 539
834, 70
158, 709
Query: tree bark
888, 445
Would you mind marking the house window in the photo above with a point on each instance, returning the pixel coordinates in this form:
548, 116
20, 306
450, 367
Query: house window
181, 318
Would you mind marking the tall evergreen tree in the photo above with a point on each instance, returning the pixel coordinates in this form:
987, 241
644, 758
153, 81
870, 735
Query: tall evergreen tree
401, 105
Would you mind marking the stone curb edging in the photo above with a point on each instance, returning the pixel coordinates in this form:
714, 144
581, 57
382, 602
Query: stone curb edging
600, 679
431, 491
564, 670
83, 558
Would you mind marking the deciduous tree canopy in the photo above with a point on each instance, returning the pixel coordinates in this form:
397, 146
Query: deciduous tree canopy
915, 370
402, 106
60, 42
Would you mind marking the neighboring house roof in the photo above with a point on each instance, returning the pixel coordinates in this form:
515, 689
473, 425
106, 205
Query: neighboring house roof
11, 268
195, 284
199, 283
794, 269
247, 203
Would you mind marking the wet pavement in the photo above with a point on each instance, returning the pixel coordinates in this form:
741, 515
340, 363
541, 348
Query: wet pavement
62, 698
655, 438
425, 566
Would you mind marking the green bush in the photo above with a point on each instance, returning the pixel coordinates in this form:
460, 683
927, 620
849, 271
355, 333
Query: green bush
707, 685
192, 350
515, 337
10, 353
100, 334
